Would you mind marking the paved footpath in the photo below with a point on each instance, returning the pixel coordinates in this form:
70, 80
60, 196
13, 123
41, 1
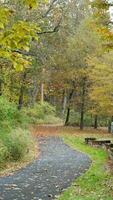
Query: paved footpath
55, 169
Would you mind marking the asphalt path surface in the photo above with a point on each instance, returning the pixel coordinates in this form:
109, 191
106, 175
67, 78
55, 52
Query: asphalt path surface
55, 169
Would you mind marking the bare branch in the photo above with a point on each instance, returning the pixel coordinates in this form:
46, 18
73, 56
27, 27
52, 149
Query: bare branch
25, 53
50, 8
56, 28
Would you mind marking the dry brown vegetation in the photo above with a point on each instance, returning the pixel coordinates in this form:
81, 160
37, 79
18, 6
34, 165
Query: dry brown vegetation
46, 130
53, 130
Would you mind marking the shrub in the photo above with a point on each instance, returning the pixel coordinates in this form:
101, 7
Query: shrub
19, 143
42, 113
4, 154
10, 116
16, 142
49, 119
15, 145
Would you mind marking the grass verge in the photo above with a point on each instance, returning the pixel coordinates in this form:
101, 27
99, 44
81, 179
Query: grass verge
97, 182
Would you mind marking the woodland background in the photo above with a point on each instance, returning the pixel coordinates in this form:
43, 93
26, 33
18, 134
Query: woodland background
56, 66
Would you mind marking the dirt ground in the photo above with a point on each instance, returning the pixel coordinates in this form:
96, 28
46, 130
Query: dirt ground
53, 130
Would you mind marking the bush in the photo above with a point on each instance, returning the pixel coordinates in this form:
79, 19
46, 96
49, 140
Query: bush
42, 113
15, 145
4, 154
49, 119
19, 144
10, 116
16, 142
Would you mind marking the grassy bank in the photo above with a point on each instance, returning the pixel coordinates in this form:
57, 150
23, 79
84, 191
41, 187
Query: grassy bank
17, 149
17, 145
97, 183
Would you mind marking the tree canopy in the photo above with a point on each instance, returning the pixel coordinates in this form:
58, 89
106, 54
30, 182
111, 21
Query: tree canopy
60, 52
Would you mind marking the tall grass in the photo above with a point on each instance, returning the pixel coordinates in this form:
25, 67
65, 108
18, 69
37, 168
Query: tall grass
15, 145
15, 142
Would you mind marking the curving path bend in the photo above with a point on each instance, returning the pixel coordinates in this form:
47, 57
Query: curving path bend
44, 179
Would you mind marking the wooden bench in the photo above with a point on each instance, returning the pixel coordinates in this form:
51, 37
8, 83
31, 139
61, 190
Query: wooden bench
94, 142
100, 142
89, 140
108, 146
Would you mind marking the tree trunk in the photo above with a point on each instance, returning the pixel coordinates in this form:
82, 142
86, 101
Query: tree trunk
92, 123
42, 86
109, 124
82, 106
20, 100
64, 102
68, 108
33, 93
42, 93
96, 122
82, 120
67, 117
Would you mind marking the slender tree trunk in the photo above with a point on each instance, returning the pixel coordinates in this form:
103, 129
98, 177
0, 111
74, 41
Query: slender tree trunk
20, 101
33, 93
64, 102
96, 122
21, 95
54, 100
82, 119
68, 108
42, 93
109, 124
42, 86
92, 124
82, 106
67, 117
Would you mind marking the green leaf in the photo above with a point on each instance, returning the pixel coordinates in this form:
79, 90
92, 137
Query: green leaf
18, 67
